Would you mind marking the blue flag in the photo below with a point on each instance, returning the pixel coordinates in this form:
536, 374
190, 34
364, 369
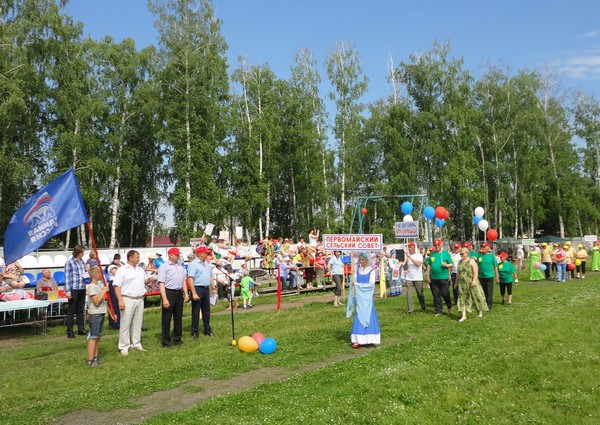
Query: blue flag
56, 208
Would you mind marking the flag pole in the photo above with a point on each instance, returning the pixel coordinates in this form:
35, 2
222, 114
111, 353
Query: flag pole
111, 310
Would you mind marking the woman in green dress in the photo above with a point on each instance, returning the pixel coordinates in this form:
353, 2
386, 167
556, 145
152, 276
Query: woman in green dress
535, 257
595, 258
470, 292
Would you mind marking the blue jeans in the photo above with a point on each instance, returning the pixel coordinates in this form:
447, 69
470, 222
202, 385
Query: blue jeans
562, 272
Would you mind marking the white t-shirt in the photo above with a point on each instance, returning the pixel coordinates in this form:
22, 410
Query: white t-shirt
455, 259
413, 272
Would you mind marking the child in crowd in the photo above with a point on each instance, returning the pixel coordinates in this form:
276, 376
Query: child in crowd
96, 312
508, 275
246, 292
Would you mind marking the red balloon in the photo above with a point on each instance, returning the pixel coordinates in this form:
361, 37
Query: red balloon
492, 235
441, 213
570, 267
364, 211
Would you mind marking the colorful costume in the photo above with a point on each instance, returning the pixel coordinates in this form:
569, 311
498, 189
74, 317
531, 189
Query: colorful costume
268, 255
245, 288
365, 328
471, 297
535, 274
596, 258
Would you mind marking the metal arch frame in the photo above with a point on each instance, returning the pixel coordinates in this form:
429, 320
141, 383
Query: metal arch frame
361, 202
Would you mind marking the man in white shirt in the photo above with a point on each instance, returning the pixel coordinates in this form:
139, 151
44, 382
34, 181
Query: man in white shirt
414, 277
129, 283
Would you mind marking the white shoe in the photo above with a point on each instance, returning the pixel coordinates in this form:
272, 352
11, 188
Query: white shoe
124, 352
462, 319
140, 348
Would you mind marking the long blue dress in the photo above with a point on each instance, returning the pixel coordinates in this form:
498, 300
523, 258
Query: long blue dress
365, 328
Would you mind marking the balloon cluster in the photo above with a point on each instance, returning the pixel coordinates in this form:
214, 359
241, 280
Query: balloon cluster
257, 341
440, 214
479, 221
406, 209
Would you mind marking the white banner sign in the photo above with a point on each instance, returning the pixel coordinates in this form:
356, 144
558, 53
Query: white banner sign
590, 238
353, 242
406, 229
209, 229
239, 232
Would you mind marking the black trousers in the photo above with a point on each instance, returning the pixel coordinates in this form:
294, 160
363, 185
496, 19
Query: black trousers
487, 283
175, 311
202, 304
454, 287
440, 289
76, 306
548, 270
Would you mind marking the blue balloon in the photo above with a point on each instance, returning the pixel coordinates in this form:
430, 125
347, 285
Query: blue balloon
429, 213
439, 222
268, 346
542, 267
476, 220
406, 207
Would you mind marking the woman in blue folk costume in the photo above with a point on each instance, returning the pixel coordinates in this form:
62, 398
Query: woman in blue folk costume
365, 328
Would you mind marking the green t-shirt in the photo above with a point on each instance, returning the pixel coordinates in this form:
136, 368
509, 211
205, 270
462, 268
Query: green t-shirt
486, 263
506, 271
246, 282
434, 262
473, 254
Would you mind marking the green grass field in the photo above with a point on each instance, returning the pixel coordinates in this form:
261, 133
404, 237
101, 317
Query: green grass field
536, 362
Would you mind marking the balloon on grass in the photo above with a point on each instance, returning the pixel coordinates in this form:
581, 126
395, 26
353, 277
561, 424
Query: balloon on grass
429, 212
479, 212
406, 207
268, 346
483, 225
492, 235
247, 344
258, 337
407, 218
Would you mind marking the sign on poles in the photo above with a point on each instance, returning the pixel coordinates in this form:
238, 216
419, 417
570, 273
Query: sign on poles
353, 242
406, 229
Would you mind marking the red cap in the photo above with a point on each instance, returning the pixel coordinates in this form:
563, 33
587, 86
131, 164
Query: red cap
174, 251
468, 245
503, 255
203, 250
412, 244
485, 245
456, 245
438, 242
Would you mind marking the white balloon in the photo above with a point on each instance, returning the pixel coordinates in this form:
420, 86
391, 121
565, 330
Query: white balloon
479, 212
407, 218
483, 225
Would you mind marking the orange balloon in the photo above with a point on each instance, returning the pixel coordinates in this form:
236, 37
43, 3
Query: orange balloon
247, 344
441, 213
364, 211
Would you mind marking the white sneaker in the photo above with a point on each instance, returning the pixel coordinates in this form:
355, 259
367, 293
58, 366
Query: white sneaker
140, 348
124, 352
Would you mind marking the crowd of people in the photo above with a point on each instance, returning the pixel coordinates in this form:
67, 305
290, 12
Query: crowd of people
461, 278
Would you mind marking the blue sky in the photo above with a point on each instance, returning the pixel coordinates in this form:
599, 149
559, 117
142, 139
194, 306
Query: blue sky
560, 35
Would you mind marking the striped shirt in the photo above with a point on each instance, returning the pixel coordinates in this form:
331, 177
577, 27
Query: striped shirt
74, 271
172, 275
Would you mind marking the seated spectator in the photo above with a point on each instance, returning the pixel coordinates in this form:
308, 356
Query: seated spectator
12, 275
92, 261
287, 281
8, 292
158, 260
151, 267
46, 282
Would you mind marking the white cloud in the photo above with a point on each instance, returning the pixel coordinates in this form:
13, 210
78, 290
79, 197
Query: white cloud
585, 66
591, 34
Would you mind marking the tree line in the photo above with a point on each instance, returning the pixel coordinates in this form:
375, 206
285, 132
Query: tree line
174, 127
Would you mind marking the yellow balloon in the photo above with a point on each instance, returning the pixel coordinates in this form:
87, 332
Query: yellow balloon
247, 344
578, 262
233, 343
